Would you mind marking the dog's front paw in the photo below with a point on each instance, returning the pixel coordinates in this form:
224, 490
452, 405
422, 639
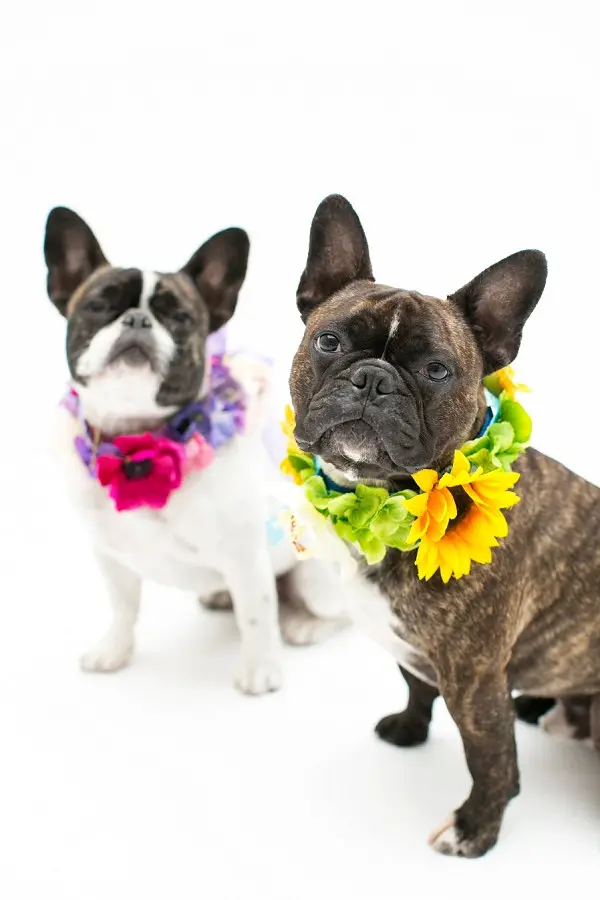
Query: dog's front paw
259, 676
461, 835
111, 653
403, 729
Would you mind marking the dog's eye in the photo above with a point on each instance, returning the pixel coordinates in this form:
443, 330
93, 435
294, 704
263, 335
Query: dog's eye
328, 342
182, 317
96, 305
436, 371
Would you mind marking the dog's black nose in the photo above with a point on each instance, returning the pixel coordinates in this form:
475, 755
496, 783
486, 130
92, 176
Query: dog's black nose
137, 319
369, 377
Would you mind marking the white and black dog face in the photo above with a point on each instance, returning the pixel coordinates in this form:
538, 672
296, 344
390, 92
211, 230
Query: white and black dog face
136, 339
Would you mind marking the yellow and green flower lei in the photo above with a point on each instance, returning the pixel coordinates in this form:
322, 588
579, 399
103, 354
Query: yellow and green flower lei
373, 520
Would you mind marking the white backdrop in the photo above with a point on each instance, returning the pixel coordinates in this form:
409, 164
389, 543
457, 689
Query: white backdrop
461, 132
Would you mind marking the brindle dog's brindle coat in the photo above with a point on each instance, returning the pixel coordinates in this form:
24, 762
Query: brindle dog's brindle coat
395, 386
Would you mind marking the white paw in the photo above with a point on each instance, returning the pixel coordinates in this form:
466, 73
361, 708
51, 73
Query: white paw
448, 840
301, 627
445, 839
259, 677
111, 653
555, 723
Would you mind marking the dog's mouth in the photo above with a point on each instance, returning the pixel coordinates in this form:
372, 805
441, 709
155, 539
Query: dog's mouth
134, 352
359, 451
371, 438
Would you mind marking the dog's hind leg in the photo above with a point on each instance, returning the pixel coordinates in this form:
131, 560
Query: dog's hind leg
299, 624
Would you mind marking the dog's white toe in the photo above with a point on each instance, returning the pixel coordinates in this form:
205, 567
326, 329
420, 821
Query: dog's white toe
301, 627
445, 839
259, 677
110, 654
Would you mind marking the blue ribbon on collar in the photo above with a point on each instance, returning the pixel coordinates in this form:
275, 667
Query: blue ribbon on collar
491, 413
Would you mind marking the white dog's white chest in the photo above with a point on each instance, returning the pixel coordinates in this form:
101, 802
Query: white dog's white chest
187, 544
146, 542
370, 611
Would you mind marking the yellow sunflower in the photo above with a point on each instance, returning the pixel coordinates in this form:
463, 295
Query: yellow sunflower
435, 507
451, 549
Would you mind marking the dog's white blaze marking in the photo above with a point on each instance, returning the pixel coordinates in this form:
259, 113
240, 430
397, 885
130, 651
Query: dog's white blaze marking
394, 326
392, 332
149, 282
353, 454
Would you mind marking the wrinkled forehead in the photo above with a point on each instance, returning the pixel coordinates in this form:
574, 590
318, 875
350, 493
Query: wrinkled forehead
134, 288
383, 313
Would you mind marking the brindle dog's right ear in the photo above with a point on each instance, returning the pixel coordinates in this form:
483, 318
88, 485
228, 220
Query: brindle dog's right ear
338, 254
72, 253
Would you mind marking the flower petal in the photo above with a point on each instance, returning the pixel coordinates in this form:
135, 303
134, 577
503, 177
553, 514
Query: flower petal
426, 479
450, 504
130, 443
436, 530
107, 468
417, 505
418, 529
436, 505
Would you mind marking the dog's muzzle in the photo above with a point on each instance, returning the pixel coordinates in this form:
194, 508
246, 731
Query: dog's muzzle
135, 345
369, 392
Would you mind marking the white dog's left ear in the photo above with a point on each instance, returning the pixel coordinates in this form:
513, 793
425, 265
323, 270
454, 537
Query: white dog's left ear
72, 253
498, 302
218, 269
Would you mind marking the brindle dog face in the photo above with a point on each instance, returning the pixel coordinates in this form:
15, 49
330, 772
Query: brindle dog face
127, 320
388, 381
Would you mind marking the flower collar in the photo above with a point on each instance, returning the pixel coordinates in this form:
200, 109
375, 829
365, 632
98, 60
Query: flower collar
427, 520
144, 469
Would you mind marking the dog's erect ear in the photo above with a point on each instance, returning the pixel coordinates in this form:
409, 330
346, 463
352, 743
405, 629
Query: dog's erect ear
72, 253
338, 254
218, 269
498, 303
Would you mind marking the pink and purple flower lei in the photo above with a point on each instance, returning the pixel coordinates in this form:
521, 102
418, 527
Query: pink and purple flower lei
144, 469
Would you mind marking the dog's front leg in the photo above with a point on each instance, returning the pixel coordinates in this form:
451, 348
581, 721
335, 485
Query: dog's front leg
481, 705
113, 651
251, 582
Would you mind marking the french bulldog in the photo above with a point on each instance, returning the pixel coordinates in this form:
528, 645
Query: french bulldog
387, 382
136, 345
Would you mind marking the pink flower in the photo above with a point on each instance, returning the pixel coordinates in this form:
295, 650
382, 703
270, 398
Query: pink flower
148, 469
198, 453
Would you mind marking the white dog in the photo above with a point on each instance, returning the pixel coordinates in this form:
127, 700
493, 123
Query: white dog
164, 451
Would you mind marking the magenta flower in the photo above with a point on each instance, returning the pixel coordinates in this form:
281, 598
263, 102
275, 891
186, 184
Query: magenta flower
145, 473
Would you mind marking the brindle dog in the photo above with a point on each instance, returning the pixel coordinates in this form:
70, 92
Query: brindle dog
387, 382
